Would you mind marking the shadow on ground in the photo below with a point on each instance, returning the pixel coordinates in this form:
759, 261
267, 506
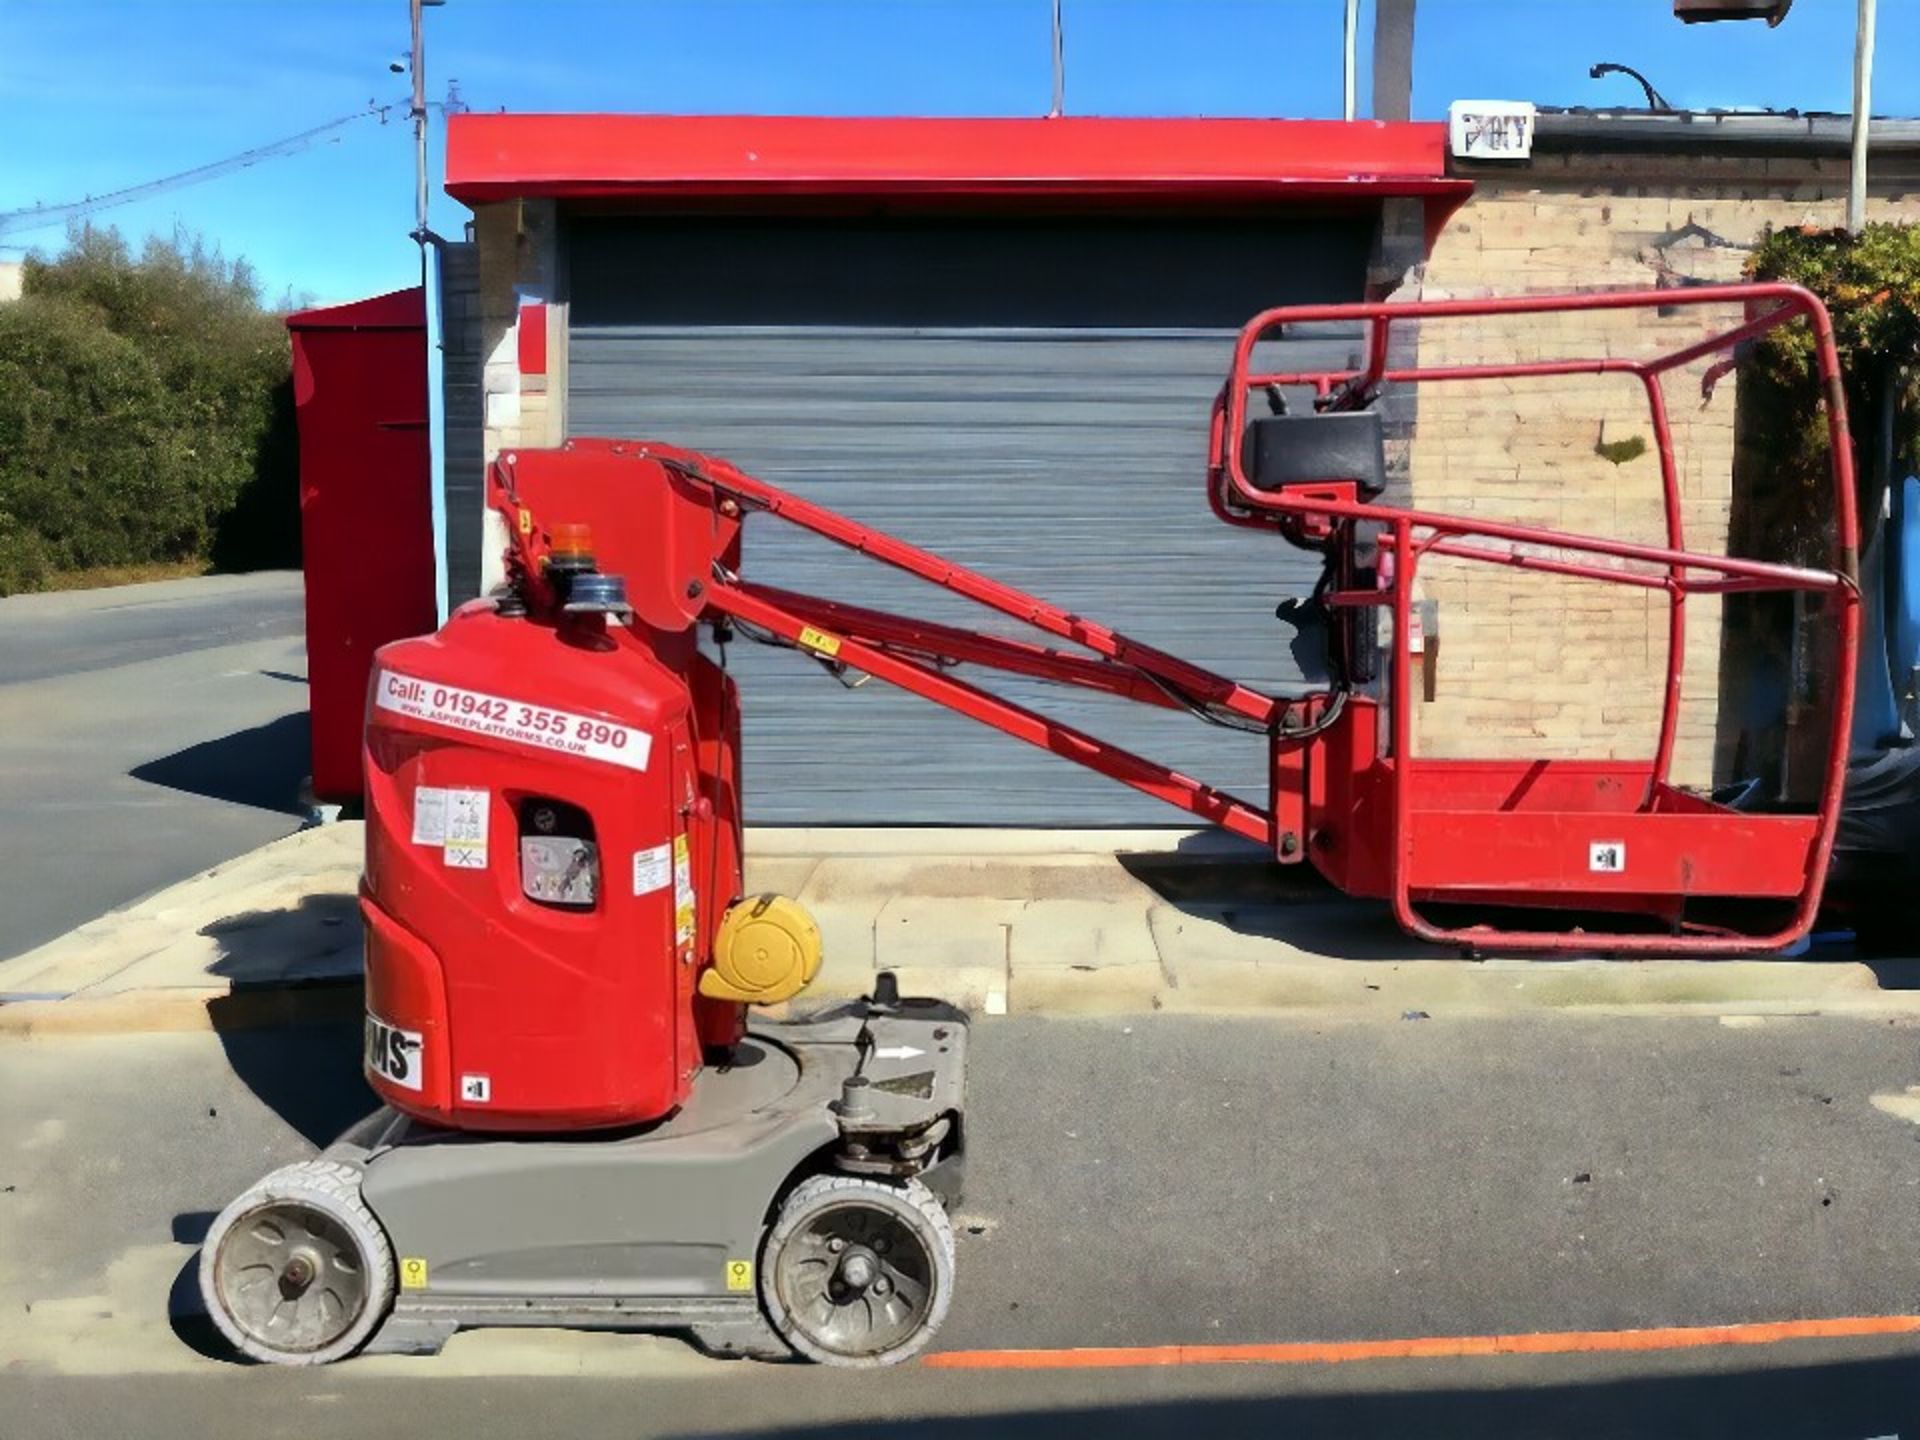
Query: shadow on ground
187, 1312
1294, 904
261, 767
318, 940
1878, 1397
307, 1074
298, 1050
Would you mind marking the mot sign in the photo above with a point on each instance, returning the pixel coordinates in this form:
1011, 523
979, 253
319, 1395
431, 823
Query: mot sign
1490, 129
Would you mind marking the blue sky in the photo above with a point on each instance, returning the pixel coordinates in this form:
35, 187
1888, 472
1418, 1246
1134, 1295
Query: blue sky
100, 94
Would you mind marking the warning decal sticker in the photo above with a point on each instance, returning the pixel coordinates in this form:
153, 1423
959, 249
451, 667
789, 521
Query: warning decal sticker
683, 914
652, 869
429, 815
518, 721
466, 847
819, 640
455, 821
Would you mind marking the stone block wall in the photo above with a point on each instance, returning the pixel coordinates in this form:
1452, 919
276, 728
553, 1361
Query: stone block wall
1530, 664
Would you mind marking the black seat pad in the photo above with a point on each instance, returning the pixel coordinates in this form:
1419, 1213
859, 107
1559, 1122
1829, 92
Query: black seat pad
1316, 449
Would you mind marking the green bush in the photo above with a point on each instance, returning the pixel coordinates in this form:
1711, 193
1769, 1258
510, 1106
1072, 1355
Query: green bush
142, 401
1870, 283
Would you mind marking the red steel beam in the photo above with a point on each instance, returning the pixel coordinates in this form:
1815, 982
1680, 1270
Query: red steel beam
1204, 685
927, 640
1677, 596
1519, 561
1778, 577
1150, 778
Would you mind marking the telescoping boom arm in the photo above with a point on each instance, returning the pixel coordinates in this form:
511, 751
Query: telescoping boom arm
1347, 794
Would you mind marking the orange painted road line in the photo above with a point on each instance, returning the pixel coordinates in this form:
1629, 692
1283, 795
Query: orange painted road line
1342, 1352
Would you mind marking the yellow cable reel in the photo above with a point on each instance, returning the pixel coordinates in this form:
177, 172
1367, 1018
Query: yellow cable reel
767, 950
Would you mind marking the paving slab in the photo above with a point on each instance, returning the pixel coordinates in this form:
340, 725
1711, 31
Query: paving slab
1086, 935
283, 914
1186, 927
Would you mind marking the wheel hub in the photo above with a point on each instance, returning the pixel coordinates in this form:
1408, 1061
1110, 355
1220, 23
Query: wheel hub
858, 1269
857, 1280
298, 1273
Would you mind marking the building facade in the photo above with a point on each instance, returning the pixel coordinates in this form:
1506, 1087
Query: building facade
1547, 666
1001, 339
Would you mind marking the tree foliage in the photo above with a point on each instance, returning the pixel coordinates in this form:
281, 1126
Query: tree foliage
1870, 283
144, 413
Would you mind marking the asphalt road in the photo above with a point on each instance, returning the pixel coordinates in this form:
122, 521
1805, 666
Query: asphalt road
1148, 1182
146, 732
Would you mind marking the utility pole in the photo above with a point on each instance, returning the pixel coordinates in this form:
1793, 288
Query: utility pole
1393, 59
417, 63
430, 280
1350, 43
1862, 113
1059, 106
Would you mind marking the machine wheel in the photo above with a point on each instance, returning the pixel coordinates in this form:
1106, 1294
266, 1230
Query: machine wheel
856, 1271
297, 1270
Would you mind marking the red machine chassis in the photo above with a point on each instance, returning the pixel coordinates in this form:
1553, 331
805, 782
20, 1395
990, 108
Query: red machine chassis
1409, 829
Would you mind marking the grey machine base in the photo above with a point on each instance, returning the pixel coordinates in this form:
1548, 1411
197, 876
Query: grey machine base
660, 1228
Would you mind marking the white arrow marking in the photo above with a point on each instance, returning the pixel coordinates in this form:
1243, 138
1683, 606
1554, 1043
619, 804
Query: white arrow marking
897, 1052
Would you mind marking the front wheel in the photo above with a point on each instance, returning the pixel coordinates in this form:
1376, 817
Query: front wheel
857, 1271
297, 1271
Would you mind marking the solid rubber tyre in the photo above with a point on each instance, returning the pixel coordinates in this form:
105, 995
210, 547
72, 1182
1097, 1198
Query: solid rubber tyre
857, 1210
310, 1215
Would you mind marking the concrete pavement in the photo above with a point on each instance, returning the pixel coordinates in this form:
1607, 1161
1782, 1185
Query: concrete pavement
146, 732
1141, 1180
1000, 922
170, 718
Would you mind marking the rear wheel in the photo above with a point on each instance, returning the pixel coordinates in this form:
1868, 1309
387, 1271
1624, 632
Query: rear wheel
858, 1271
297, 1271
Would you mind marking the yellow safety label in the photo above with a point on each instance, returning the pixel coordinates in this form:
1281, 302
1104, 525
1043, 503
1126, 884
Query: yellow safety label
526, 521
683, 916
819, 640
413, 1273
739, 1275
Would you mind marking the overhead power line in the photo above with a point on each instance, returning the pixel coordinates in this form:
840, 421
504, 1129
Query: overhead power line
42, 217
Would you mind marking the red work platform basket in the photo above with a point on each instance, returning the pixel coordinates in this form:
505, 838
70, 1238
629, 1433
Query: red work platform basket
1676, 872
1574, 835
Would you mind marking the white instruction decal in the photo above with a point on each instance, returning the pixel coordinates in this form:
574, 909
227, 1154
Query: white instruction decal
429, 815
476, 1089
519, 721
652, 869
1607, 857
466, 847
455, 822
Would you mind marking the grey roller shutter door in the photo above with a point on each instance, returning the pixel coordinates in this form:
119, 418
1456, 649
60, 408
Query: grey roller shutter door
1062, 457
463, 463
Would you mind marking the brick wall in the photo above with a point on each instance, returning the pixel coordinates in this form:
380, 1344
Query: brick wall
1532, 664
518, 242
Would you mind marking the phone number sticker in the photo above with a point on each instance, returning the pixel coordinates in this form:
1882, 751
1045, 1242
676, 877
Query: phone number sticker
519, 721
